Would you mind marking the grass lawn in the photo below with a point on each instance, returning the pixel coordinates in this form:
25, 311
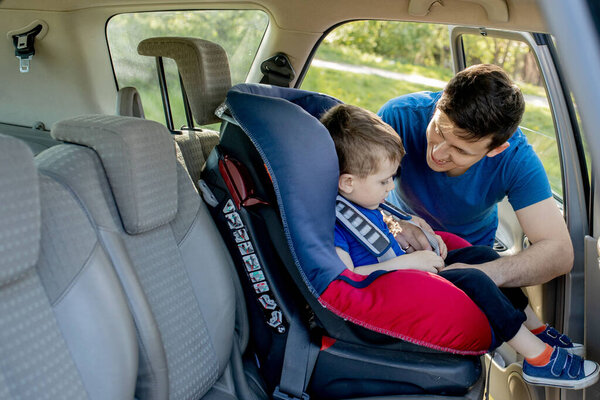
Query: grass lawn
347, 55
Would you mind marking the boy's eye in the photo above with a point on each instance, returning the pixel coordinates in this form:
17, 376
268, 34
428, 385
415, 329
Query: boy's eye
460, 151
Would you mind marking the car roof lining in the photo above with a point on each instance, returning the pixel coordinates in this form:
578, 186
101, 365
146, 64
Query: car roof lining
299, 15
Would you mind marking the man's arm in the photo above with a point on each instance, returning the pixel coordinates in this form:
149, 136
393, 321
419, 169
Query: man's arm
550, 254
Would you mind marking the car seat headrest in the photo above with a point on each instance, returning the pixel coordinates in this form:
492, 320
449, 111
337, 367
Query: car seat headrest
129, 103
20, 213
139, 158
301, 159
204, 69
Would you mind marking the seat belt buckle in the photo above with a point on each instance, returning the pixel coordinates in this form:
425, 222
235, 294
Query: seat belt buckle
24, 47
279, 395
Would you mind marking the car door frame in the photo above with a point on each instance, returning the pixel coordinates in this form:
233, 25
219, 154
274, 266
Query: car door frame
569, 290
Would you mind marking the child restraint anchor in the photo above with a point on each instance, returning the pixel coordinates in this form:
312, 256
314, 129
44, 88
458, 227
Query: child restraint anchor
368, 234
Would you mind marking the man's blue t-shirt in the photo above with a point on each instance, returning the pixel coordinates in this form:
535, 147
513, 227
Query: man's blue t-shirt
359, 253
467, 204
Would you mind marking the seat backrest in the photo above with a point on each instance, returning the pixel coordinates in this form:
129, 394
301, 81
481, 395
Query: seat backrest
193, 149
129, 103
167, 252
65, 328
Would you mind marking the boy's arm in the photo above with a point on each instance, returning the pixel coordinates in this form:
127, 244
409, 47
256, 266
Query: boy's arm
421, 260
550, 254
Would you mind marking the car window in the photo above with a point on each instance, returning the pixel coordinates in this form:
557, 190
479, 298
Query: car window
519, 61
239, 32
366, 63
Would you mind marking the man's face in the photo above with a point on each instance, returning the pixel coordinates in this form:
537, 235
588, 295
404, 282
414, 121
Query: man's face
448, 152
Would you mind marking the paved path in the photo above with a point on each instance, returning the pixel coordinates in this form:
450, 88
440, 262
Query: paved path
418, 79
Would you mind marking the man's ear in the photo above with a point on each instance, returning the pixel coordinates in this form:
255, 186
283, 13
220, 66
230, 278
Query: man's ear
346, 183
498, 150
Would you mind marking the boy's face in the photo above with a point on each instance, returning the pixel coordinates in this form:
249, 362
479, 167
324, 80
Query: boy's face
448, 152
372, 190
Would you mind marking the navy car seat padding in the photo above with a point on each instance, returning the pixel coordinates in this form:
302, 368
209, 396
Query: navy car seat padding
300, 157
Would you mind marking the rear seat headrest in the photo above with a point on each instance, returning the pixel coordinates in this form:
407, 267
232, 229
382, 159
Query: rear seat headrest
20, 212
129, 103
139, 159
203, 66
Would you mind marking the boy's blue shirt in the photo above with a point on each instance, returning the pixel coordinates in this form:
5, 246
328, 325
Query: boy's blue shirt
467, 204
359, 253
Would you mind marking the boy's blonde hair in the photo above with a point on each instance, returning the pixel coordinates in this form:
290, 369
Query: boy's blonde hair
361, 139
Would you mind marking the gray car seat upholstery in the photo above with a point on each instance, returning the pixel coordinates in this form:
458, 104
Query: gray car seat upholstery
129, 102
165, 247
204, 70
65, 329
203, 67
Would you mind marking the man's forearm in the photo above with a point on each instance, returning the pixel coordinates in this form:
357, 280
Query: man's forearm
535, 265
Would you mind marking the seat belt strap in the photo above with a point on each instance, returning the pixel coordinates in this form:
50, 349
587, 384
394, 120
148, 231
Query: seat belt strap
363, 229
298, 362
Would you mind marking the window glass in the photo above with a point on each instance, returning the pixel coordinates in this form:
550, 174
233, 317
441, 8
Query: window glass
517, 59
239, 32
366, 63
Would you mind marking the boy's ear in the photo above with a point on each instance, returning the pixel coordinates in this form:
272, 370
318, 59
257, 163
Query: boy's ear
498, 150
346, 183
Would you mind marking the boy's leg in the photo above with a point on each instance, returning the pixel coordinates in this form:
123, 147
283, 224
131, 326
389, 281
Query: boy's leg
543, 364
483, 254
504, 318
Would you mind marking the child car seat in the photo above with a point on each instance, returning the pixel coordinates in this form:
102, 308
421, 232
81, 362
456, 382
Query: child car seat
272, 183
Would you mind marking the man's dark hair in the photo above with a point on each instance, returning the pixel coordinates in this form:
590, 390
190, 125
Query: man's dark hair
485, 102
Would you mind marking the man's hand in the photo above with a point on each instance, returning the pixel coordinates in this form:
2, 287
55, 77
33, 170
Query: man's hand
550, 254
410, 237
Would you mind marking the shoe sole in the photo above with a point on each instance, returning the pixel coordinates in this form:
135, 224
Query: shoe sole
564, 384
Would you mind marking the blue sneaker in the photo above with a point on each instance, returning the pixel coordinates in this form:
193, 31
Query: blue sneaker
555, 339
565, 370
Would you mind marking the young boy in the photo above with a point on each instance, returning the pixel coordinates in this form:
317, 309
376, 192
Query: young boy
369, 153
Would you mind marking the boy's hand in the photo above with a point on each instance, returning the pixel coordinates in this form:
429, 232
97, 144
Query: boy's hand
424, 260
442, 246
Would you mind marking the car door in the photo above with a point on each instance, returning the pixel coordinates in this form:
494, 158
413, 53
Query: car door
550, 123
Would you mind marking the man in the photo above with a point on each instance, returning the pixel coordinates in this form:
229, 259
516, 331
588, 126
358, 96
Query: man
464, 153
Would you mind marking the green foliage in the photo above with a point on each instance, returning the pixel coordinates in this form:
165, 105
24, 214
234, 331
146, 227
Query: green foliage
349, 55
405, 42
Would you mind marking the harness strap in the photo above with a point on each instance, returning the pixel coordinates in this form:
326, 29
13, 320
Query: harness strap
365, 231
369, 234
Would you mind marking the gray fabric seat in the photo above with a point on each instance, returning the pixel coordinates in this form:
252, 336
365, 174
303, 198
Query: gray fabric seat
65, 328
204, 70
129, 103
173, 265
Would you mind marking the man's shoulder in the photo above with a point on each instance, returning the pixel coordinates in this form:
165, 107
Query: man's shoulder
520, 150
